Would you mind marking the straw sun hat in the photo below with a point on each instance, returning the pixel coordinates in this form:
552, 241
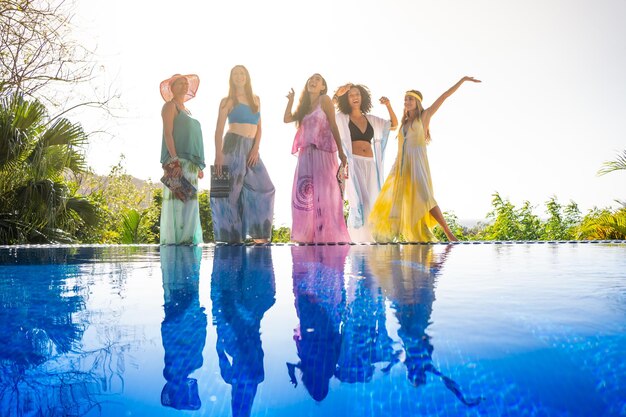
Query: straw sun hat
166, 86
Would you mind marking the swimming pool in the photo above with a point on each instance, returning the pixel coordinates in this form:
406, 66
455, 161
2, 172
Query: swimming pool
337, 330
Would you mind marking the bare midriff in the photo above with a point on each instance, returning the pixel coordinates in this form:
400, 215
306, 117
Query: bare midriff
243, 129
362, 148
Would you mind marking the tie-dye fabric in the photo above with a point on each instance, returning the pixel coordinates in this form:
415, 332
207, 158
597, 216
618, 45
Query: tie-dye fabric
316, 202
249, 209
180, 221
402, 209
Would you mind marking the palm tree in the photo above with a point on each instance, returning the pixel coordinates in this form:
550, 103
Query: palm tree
36, 155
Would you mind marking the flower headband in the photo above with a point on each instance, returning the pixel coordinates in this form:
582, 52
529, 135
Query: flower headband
412, 94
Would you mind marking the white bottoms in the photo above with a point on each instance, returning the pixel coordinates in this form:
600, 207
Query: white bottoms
361, 195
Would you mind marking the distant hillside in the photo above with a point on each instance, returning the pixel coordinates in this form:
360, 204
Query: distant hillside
90, 182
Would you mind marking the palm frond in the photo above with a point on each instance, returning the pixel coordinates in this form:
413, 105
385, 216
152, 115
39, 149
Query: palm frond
614, 224
616, 165
63, 140
131, 220
84, 209
20, 123
39, 201
11, 229
603, 224
63, 132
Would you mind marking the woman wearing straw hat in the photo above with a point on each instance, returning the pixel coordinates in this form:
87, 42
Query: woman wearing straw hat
406, 207
182, 154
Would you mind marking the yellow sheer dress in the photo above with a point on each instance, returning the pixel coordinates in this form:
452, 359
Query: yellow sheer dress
402, 210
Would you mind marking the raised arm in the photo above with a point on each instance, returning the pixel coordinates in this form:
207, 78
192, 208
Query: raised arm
329, 110
429, 112
392, 115
288, 118
219, 134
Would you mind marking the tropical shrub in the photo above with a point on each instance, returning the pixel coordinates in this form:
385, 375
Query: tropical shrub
562, 222
281, 234
459, 231
125, 206
603, 224
206, 218
36, 155
510, 223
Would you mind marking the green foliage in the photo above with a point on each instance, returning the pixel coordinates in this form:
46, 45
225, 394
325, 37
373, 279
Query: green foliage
510, 223
281, 234
206, 218
118, 197
561, 223
152, 215
617, 165
130, 226
459, 231
135, 229
101, 231
37, 204
603, 225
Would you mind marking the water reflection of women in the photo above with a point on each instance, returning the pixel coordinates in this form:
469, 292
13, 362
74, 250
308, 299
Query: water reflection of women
411, 288
319, 299
364, 338
184, 327
242, 290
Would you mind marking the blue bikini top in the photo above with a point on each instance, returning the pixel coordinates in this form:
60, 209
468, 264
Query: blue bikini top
242, 113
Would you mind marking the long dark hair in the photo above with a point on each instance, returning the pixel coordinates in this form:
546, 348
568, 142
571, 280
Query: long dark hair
232, 90
343, 103
420, 109
304, 105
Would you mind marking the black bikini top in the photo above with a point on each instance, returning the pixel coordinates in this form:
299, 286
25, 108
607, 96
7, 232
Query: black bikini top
356, 134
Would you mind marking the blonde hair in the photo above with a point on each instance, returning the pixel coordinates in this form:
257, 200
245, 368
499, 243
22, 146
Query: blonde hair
420, 109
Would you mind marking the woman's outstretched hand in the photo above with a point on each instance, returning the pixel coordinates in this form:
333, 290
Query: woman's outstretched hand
472, 79
290, 95
343, 89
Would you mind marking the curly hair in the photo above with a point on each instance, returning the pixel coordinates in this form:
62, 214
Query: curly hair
343, 104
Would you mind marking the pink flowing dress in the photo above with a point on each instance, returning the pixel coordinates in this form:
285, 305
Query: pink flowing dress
316, 202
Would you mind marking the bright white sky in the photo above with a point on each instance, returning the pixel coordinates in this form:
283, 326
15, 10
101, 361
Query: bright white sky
549, 112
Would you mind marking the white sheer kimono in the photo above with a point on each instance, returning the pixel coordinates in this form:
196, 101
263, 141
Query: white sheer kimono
365, 175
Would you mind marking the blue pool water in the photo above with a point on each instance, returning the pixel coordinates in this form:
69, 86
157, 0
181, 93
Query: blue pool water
390, 330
